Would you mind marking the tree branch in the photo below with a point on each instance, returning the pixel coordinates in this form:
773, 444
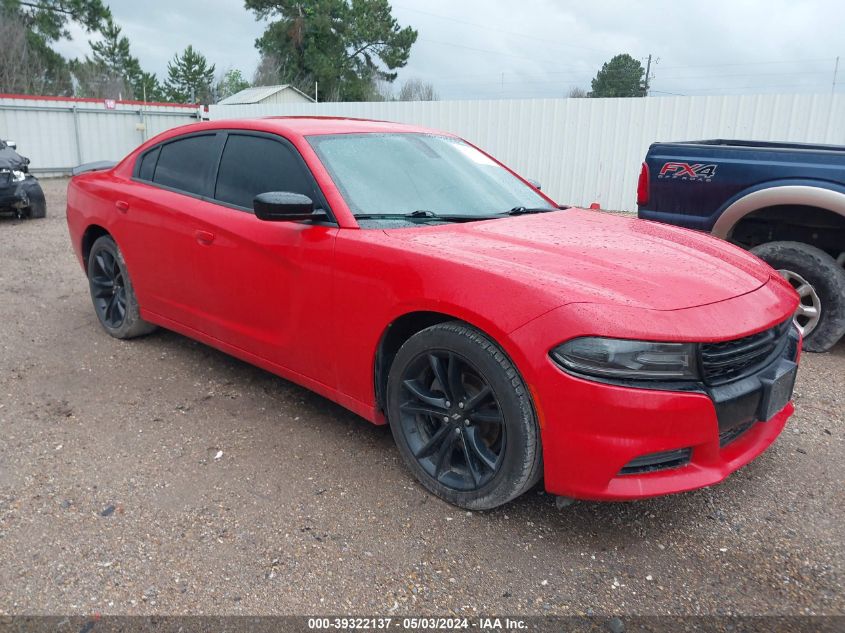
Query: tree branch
363, 48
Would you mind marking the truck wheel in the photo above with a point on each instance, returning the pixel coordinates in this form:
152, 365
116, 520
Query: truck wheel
820, 284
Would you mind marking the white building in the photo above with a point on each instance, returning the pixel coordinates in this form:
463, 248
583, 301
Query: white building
268, 95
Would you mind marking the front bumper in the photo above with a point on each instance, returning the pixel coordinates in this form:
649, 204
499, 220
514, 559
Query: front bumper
14, 196
592, 431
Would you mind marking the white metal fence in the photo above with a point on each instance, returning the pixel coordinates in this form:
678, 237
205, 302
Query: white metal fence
590, 150
581, 150
58, 135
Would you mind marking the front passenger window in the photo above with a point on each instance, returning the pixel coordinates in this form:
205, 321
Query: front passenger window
253, 164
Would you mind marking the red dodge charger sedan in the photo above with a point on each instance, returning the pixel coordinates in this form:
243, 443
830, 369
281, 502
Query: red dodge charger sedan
410, 277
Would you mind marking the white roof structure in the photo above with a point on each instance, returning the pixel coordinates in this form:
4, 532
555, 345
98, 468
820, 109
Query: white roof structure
267, 94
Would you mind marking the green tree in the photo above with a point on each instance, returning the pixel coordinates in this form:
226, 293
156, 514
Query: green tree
346, 46
147, 87
112, 52
189, 77
30, 64
112, 72
622, 76
93, 79
231, 83
50, 19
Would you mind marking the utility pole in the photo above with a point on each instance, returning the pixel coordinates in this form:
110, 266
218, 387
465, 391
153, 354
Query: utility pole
316, 92
835, 71
647, 75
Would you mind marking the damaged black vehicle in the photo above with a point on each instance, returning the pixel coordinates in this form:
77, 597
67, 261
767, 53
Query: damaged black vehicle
20, 192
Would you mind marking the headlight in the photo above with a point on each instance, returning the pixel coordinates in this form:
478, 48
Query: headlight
18, 176
633, 360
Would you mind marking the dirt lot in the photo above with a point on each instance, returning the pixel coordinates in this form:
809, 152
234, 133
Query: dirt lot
115, 497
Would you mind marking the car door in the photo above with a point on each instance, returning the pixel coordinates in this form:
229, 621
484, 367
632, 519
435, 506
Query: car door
264, 287
171, 185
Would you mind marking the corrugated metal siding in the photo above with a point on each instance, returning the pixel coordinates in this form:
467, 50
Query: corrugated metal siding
266, 95
581, 150
46, 130
286, 96
590, 150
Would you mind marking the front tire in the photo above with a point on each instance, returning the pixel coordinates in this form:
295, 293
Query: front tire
820, 283
112, 293
462, 417
37, 204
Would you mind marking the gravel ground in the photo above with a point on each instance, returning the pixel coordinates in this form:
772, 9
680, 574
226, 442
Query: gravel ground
162, 477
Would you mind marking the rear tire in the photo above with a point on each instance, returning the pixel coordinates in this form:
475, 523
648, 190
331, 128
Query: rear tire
112, 293
804, 265
462, 417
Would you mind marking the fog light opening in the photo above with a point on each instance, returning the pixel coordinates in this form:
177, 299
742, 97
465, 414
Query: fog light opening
657, 461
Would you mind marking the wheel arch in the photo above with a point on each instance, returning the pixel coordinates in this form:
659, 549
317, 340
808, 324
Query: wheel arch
394, 336
827, 200
92, 233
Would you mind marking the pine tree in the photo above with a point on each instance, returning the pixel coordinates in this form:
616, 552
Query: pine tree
189, 78
147, 87
347, 46
28, 31
622, 76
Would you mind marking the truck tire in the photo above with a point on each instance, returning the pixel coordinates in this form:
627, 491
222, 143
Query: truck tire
820, 283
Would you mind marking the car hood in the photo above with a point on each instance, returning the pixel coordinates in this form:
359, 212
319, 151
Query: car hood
10, 159
589, 256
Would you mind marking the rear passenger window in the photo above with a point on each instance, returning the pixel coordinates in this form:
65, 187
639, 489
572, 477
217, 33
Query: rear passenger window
148, 164
186, 164
252, 165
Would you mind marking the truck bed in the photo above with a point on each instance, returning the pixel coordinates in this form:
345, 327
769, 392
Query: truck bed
764, 145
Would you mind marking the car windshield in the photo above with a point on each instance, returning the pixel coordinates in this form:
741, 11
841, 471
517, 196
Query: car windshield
403, 174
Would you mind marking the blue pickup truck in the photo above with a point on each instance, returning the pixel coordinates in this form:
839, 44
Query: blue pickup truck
785, 202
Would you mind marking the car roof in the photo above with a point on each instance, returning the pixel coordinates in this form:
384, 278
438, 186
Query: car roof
317, 125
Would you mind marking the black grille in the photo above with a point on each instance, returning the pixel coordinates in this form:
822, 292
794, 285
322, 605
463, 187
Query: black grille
5, 177
729, 436
657, 461
728, 360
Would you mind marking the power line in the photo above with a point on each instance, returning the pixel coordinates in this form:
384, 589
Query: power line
783, 61
505, 31
753, 87
776, 74
486, 51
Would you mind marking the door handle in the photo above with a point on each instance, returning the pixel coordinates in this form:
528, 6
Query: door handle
204, 237
122, 206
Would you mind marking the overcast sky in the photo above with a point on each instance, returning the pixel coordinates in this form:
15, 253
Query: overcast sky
491, 49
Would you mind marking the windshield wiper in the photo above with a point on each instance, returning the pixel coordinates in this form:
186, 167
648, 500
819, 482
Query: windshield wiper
421, 214
425, 214
528, 210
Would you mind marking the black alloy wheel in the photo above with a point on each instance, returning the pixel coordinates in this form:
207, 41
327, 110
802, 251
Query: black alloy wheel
112, 293
453, 423
462, 417
108, 289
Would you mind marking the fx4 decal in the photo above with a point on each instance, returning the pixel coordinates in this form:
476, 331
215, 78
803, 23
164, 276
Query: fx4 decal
685, 171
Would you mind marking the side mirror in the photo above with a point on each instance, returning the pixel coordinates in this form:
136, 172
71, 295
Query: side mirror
284, 206
11, 144
534, 183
